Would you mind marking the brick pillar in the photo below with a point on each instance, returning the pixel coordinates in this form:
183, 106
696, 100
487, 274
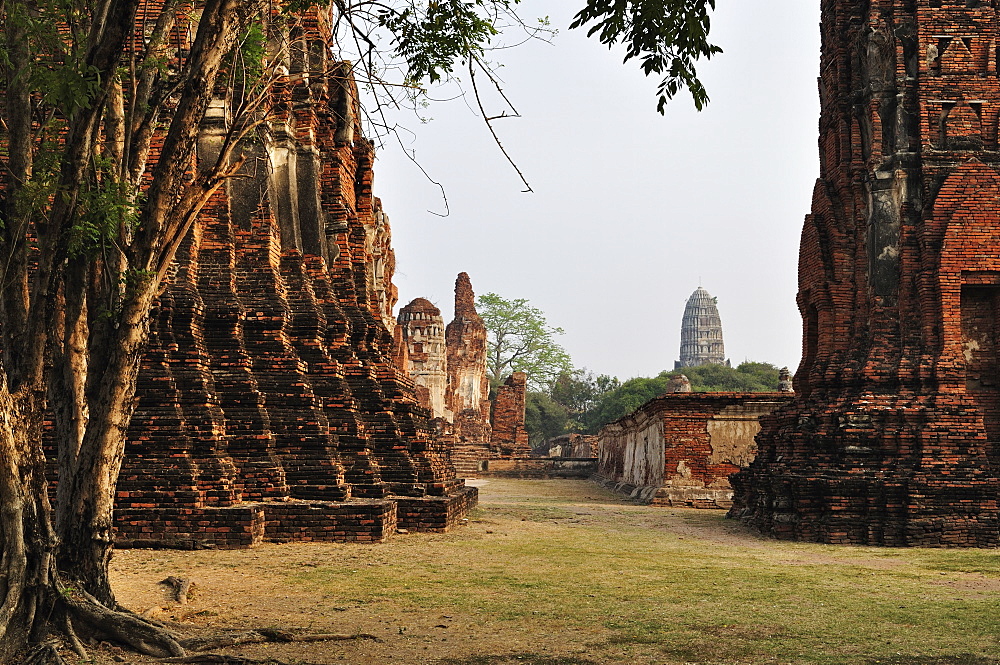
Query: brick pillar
510, 439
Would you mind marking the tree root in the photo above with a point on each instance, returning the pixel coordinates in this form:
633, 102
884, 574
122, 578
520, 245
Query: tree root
46, 653
225, 660
263, 635
74, 641
252, 637
122, 627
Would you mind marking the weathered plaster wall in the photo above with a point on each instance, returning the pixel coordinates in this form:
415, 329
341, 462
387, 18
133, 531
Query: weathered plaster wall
680, 448
633, 453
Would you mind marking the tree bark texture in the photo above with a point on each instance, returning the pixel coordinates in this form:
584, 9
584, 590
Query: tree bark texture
74, 320
27, 538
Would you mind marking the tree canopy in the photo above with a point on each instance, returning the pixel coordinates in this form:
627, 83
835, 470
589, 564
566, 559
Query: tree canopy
642, 25
520, 339
434, 38
584, 403
748, 377
567, 406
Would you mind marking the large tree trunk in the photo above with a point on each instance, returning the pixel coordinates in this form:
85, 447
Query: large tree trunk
73, 323
26, 577
36, 600
87, 479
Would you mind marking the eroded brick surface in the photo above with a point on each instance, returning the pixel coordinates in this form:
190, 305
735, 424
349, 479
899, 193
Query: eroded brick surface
273, 400
468, 395
468, 391
449, 368
680, 448
510, 438
893, 437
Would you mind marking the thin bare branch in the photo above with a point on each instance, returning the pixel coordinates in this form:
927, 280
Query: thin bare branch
489, 125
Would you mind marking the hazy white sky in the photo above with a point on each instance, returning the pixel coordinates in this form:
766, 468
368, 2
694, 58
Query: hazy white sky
630, 210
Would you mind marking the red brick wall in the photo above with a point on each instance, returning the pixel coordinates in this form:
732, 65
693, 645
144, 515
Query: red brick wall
681, 448
893, 439
272, 371
510, 439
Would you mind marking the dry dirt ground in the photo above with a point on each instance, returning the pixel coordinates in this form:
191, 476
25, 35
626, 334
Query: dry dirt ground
562, 573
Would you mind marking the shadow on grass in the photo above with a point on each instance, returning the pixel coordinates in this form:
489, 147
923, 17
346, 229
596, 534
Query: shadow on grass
960, 659
522, 658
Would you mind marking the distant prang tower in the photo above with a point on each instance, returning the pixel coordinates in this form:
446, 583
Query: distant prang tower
701, 332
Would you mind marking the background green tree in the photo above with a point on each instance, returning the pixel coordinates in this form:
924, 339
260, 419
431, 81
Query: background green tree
749, 377
625, 399
567, 406
519, 339
544, 418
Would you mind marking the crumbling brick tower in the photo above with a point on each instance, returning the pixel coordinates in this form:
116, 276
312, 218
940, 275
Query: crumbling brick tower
894, 437
422, 331
270, 404
468, 395
510, 438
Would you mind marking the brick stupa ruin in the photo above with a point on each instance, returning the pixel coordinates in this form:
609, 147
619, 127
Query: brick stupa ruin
894, 437
271, 404
449, 368
423, 333
701, 332
468, 395
510, 438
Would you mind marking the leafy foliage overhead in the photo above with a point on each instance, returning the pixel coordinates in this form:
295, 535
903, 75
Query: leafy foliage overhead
667, 36
433, 37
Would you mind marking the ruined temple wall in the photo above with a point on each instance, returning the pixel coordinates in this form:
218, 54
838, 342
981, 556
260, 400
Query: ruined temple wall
893, 439
633, 454
681, 448
577, 446
272, 373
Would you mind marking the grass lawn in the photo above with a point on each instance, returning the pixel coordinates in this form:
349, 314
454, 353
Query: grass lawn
562, 572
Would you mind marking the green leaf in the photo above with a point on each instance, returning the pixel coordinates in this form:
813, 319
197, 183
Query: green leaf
668, 37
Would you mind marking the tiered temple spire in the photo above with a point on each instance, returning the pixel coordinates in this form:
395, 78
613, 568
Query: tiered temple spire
701, 332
